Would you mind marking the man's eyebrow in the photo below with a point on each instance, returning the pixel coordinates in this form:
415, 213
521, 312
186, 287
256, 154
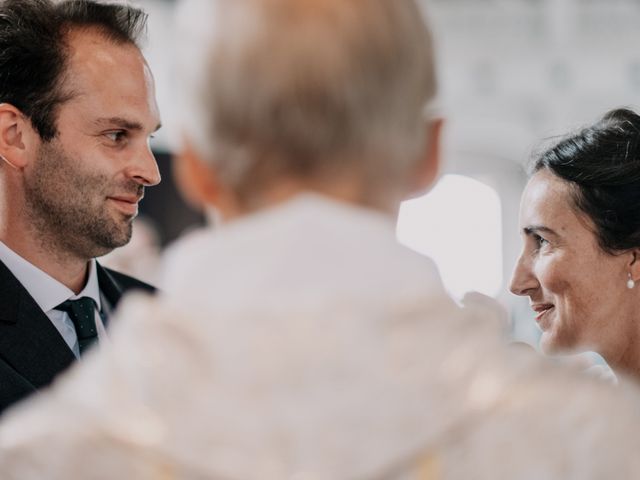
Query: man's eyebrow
123, 123
535, 229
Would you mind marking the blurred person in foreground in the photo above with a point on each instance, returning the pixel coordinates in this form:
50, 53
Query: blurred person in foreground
300, 340
77, 108
580, 224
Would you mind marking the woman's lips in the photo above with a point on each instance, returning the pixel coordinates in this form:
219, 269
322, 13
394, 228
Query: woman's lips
542, 310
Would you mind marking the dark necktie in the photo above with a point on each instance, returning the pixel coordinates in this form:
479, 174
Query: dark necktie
82, 314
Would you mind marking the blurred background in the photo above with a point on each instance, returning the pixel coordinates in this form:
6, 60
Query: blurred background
513, 75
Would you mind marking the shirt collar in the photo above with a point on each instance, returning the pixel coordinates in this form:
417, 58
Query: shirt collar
47, 292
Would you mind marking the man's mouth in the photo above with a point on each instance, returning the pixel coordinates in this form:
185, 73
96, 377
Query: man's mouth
126, 203
128, 197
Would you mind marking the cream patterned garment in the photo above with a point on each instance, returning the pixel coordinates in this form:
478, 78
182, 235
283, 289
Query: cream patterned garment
304, 343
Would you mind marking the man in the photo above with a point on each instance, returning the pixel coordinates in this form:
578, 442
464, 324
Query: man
77, 109
300, 340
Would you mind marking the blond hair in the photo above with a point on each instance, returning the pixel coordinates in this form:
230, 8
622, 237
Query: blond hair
307, 88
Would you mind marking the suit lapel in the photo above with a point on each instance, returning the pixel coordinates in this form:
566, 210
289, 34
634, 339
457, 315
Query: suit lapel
29, 342
109, 287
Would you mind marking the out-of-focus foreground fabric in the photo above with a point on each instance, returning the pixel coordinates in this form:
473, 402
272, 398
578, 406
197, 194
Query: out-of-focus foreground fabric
304, 343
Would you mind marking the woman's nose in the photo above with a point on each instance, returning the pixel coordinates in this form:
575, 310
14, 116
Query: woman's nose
523, 281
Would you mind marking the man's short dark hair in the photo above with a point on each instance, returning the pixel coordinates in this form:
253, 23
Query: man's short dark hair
34, 51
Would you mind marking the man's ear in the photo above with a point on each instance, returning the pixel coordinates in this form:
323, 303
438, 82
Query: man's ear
16, 136
428, 167
197, 181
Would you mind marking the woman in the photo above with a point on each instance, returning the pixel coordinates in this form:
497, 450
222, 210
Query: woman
580, 224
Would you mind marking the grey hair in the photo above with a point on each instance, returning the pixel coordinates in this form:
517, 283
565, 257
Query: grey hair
306, 88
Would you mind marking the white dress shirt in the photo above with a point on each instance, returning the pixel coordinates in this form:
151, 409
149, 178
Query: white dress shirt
48, 293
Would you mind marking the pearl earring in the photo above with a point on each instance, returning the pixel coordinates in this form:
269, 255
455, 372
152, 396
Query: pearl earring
630, 283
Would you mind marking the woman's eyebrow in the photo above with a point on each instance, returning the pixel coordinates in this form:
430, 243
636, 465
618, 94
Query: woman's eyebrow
536, 229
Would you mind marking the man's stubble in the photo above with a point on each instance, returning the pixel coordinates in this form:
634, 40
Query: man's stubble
67, 206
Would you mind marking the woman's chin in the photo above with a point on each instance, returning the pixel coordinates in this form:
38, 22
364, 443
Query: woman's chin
551, 345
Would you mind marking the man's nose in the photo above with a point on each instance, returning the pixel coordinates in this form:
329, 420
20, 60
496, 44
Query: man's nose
144, 169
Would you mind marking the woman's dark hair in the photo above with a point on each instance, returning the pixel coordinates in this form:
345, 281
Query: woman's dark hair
33, 50
602, 165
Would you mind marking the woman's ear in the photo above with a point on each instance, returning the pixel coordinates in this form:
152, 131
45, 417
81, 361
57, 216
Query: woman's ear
634, 265
16, 135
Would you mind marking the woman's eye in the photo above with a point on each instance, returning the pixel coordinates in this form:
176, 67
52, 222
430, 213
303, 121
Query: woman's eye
540, 242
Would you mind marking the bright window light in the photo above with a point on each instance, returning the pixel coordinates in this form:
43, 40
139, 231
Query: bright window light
458, 224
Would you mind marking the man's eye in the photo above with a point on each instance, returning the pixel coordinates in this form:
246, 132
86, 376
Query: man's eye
117, 136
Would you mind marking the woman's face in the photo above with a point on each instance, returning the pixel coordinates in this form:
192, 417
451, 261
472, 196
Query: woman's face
577, 290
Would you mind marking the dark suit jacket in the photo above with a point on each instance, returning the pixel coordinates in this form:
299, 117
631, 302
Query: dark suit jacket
32, 352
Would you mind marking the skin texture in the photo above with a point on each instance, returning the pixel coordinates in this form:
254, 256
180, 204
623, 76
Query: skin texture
75, 197
577, 289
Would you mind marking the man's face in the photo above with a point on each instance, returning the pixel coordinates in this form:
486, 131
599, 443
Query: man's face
82, 190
